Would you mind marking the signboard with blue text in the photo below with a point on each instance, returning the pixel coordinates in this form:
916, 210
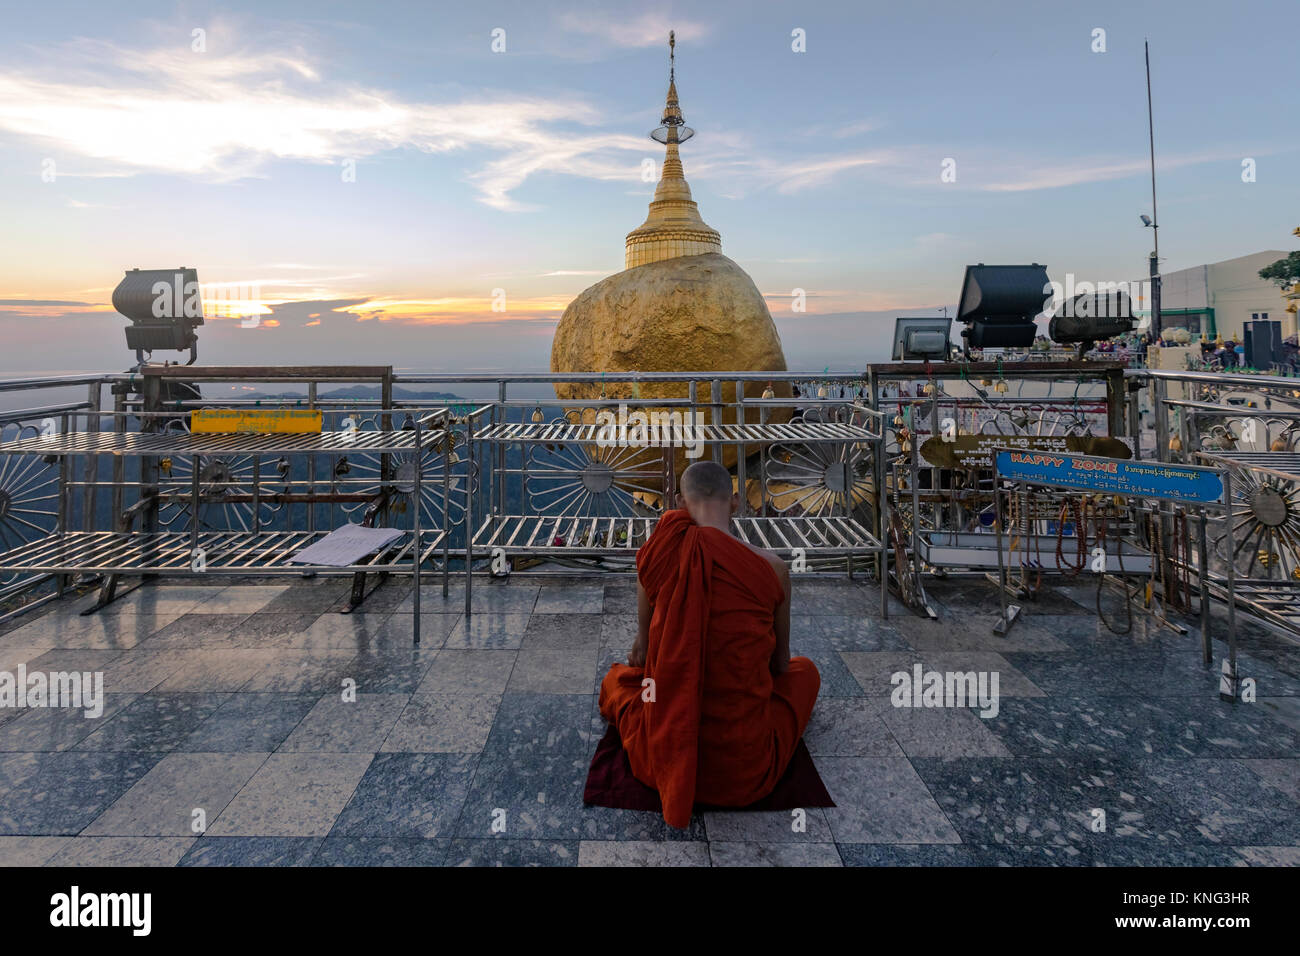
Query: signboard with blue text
1184, 484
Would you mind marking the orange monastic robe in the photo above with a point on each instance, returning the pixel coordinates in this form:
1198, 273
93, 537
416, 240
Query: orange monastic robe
721, 729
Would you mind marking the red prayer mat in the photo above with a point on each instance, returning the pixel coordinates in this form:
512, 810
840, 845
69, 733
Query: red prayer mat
610, 783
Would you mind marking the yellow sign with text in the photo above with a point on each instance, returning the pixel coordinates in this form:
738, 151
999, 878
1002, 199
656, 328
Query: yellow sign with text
258, 421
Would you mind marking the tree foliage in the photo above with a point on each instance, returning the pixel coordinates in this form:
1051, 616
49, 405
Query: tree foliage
1284, 273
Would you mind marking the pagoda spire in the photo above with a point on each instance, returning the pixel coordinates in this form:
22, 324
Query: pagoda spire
673, 227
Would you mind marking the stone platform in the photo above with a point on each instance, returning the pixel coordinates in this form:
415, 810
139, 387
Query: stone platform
227, 699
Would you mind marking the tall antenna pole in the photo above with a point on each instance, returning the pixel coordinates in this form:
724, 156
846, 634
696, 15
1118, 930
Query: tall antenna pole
1155, 219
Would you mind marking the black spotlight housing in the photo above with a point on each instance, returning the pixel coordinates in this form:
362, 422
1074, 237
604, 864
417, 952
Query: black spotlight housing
164, 306
998, 305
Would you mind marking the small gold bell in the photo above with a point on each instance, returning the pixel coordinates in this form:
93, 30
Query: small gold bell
899, 421
769, 392
927, 389
1279, 444
821, 391
1176, 443
165, 466
1001, 386
537, 414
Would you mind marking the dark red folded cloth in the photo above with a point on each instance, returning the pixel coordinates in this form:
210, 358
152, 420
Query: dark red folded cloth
610, 783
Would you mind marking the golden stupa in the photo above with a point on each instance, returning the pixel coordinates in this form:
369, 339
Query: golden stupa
679, 304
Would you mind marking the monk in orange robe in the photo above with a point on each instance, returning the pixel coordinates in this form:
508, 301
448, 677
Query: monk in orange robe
710, 705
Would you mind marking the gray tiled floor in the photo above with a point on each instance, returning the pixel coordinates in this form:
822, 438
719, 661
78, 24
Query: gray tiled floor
253, 724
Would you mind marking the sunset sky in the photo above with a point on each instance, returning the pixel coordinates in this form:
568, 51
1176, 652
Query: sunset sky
122, 145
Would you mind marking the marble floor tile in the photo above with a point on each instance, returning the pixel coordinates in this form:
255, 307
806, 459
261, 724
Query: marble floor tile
361, 631
252, 851
881, 800
618, 630
249, 723
620, 598
848, 632
267, 630
1052, 802
216, 669
1019, 854
1140, 854
554, 599
1230, 804
874, 670
806, 825
193, 631
836, 678
642, 853
1282, 775
457, 671
408, 795
773, 854
380, 851
960, 633
905, 854
12, 656
163, 802
140, 669
850, 727
162, 597
336, 725
293, 794
840, 598
545, 723
114, 851
1270, 855
58, 728
487, 631
553, 671
398, 670
97, 631
154, 722
942, 732
241, 599
562, 632
508, 853
66, 791
443, 723
299, 671
29, 851
541, 796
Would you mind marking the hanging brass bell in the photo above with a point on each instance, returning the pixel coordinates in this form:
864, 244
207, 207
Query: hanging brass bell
769, 392
1176, 443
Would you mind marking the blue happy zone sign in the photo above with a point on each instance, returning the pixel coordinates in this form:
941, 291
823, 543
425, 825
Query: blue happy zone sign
1183, 484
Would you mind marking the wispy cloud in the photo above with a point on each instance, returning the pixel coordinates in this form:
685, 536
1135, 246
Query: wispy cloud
1056, 174
226, 116
649, 29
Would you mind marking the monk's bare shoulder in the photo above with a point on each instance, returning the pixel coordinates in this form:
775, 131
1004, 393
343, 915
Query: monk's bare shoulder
778, 564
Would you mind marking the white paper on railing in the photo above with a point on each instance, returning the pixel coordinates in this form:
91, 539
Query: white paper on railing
346, 546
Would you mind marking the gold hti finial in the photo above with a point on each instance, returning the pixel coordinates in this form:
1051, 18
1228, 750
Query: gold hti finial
674, 227
672, 128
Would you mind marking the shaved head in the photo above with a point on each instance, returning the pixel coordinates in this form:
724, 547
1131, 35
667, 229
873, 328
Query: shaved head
706, 480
